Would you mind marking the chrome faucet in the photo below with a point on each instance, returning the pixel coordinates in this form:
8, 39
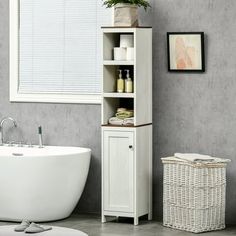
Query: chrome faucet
1, 127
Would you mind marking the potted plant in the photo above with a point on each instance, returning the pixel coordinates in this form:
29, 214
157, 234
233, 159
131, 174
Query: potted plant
126, 11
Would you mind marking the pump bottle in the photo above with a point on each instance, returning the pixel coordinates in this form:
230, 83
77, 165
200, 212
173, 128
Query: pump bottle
128, 83
120, 83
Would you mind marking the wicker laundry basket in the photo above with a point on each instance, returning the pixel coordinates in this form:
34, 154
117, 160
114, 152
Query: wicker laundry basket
194, 195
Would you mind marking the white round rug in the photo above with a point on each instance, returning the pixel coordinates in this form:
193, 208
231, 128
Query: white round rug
56, 231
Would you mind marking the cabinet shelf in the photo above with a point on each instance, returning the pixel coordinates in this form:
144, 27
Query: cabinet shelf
120, 126
118, 95
117, 63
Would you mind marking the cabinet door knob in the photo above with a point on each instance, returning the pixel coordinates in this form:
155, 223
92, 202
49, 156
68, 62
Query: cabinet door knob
130, 146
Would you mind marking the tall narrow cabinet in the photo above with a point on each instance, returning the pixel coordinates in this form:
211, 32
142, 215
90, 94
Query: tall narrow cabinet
127, 150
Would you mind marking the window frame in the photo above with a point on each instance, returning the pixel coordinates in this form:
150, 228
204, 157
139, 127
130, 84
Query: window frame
15, 96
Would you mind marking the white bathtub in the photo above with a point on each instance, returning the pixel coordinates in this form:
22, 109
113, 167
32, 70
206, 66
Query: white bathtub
41, 184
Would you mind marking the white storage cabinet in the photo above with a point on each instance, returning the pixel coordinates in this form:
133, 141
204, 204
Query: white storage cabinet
127, 150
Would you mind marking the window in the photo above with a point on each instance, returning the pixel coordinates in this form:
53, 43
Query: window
58, 43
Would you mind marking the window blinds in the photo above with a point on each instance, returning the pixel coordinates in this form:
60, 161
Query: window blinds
60, 46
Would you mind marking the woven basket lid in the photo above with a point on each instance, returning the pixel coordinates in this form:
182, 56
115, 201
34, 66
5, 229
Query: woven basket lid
195, 159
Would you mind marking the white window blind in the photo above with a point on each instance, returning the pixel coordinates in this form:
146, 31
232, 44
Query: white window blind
60, 46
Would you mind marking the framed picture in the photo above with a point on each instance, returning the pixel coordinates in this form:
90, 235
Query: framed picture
185, 52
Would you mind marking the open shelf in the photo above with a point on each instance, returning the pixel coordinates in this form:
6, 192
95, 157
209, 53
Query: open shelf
110, 76
111, 104
110, 41
140, 73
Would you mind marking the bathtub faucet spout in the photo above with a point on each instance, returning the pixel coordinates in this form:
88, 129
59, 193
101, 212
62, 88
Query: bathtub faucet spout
1, 127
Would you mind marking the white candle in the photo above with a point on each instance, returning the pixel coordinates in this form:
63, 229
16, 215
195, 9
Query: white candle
126, 41
130, 54
120, 54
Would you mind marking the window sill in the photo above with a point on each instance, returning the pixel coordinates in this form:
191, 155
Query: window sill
56, 98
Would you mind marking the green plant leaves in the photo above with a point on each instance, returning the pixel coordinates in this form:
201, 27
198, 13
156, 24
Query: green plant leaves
140, 3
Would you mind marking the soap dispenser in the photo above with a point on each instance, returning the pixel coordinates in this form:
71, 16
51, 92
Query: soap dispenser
128, 83
120, 83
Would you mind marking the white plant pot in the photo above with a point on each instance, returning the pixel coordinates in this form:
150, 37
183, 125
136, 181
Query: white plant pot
125, 15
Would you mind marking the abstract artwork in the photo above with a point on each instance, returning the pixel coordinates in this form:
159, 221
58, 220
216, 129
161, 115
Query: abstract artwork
186, 52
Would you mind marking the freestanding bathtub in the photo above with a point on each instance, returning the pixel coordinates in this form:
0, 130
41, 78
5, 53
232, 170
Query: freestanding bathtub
41, 184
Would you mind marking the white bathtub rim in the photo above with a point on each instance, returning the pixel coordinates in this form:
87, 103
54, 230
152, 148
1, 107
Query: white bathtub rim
46, 151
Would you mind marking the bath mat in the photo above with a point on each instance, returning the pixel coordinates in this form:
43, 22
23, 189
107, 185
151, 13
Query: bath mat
56, 231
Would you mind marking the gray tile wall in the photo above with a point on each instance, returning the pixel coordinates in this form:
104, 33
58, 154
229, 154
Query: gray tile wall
192, 112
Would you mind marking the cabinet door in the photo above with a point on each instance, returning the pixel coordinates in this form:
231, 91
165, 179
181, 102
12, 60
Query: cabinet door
118, 171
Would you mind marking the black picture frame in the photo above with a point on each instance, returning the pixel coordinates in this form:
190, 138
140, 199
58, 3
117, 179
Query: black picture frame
199, 52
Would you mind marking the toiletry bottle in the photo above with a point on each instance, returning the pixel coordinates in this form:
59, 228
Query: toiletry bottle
128, 83
120, 83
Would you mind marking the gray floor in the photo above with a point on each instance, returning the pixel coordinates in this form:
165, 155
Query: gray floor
91, 225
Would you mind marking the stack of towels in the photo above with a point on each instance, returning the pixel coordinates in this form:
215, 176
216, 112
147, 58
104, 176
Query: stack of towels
123, 116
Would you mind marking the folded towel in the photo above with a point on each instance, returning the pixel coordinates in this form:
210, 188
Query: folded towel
125, 114
115, 121
128, 121
121, 109
194, 157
